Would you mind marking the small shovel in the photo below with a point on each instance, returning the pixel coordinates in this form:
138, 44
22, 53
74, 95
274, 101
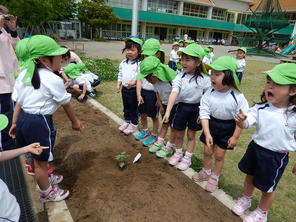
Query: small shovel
137, 157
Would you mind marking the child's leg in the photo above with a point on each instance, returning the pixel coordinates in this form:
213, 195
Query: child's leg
179, 136
155, 125
266, 201
208, 153
163, 130
219, 160
179, 143
191, 140
41, 174
248, 186
144, 121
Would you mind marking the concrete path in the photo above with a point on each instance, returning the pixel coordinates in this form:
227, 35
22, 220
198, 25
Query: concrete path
112, 50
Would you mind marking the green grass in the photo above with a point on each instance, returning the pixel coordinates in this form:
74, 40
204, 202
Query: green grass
232, 179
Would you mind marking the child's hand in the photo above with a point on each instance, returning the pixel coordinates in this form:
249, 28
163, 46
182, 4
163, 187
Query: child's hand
232, 142
240, 118
131, 84
117, 88
166, 117
140, 100
294, 169
161, 110
77, 125
12, 130
198, 121
35, 148
209, 140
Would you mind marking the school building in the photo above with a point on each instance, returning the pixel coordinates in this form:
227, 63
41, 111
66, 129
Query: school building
203, 20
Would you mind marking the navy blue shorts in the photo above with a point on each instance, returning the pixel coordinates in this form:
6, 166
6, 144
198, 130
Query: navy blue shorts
149, 106
239, 76
130, 105
173, 111
185, 117
32, 128
221, 131
265, 165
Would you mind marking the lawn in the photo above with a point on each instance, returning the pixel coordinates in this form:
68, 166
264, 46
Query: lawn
232, 179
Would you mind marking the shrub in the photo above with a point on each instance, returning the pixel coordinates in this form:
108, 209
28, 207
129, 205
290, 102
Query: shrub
102, 68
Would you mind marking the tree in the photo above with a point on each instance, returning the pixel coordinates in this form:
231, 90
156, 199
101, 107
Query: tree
96, 13
38, 12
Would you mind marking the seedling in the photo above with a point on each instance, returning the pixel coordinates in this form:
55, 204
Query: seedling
121, 159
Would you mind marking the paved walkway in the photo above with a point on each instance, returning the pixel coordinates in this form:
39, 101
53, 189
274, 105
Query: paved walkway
112, 50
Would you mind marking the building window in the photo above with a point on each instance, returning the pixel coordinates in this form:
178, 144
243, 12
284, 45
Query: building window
219, 14
195, 10
291, 17
123, 3
242, 17
230, 17
164, 6
118, 31
172, 32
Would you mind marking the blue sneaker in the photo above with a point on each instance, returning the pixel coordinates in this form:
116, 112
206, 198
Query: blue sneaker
149, 140
142, 134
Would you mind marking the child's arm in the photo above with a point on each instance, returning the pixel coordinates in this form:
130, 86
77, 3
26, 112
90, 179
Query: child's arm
294, 169
139, 88
233, 140
118, 86
34, 148
76, 124
206, 131
119, 79
171, 102
82, 95
240, 119
131, 84
16, 113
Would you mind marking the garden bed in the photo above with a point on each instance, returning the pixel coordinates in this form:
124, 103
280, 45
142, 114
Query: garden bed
149, 190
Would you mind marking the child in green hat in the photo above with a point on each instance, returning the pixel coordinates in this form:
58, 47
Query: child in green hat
147, 97
161, 76
174, 58
9, 207
38, 92
268, 153
207, 60
188, 86
126, 83
218, 107
181, 44
241, 62
211, 47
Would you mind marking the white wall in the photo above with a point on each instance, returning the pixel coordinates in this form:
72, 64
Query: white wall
233, 5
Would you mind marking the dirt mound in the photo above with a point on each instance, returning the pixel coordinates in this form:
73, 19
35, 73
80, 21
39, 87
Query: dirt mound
150, 190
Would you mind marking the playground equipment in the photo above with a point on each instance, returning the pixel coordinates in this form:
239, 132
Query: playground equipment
265, 21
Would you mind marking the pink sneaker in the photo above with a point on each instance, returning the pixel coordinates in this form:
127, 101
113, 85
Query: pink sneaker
241, 205
55, 179
256, 216
184, 163
201, 176
175, 158
55, 194
123, 126
130, 129
212, 185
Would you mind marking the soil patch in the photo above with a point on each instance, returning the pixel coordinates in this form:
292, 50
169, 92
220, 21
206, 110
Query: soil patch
150, 190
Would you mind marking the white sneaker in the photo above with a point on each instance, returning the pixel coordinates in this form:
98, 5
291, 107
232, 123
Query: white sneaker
130, 129
256, 216
175, 158
55, 179
241, 205
55, 194
123, 126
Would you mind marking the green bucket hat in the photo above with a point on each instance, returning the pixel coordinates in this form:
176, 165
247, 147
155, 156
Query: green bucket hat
189, 41
211, 46
152, 65
134, 39
175, 43
244, 49
39, 46
283, 74
227, 63
82, 66
72, 70
22, 54
3, 121
181, 41
151, 47
194, 50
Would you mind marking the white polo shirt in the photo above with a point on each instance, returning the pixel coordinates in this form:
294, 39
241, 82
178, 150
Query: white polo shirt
128, 70
46, 99
222, 105
275, 127
189, 88
241, 64
164, 90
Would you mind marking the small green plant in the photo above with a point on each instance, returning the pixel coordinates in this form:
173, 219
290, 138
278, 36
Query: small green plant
121, 159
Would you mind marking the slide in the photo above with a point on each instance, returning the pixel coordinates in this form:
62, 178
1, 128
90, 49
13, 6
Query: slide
288, 49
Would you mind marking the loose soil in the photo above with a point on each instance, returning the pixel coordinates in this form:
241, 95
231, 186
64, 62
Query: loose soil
149, 190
